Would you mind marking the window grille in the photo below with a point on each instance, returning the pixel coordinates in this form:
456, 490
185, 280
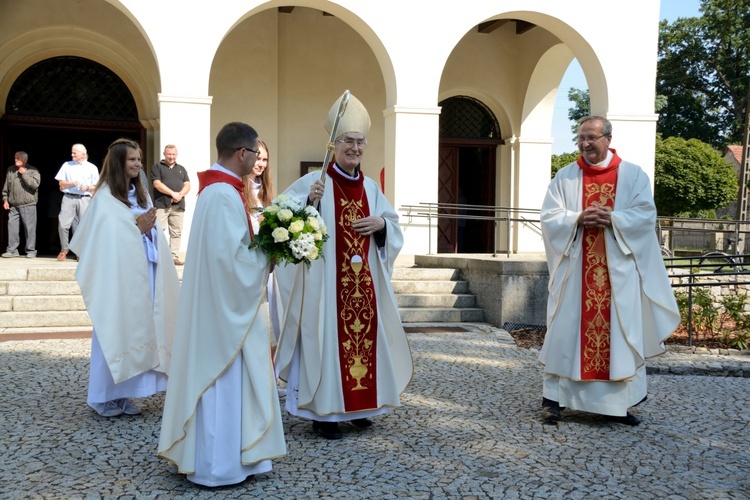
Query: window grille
464, 117
71, 87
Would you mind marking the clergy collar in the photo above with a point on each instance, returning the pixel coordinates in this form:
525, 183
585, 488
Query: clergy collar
218, 167
344, 172
604, 162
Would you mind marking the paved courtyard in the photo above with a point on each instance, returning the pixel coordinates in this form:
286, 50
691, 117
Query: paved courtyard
470, 427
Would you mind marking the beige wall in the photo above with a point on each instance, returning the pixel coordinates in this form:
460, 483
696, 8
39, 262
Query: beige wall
193, 69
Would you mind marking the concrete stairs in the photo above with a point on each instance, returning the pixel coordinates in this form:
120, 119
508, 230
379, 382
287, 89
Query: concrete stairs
38, 296
432, 295
41, 299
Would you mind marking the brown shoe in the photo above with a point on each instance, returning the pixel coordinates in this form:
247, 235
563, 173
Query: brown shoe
62, 255
178, 262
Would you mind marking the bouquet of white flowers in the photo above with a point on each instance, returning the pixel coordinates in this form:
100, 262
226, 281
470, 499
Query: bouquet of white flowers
290, 232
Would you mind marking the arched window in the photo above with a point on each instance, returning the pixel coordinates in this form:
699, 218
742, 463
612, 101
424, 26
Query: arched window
464, 117
71, 87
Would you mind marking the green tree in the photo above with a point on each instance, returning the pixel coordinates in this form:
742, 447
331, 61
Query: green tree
703, 72
559, 161
691, 178
581, 106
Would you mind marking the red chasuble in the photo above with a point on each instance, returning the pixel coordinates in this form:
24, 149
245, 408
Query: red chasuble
599, 186
355, 296
208, 177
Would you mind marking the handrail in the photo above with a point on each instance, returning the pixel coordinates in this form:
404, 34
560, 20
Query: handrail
507, 214
698, 262
737, 228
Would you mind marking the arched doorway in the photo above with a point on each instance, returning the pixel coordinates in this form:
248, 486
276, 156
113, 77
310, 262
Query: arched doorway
52, 105
469, 136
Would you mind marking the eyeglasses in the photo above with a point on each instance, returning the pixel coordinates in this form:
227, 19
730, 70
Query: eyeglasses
589, 138
351, 142
257, 153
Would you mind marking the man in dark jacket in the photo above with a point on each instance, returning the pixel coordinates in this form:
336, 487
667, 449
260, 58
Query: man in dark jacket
20, 195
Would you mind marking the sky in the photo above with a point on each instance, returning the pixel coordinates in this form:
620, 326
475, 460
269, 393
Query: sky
574, 78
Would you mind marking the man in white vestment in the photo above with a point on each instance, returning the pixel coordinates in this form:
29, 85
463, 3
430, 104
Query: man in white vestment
610, 302
342, 350
222, 421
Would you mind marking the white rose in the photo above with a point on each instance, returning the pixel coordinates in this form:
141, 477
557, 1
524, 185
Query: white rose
285, 214
317, 236
280, 235
313, 222
271, 209
296, 226
313, 254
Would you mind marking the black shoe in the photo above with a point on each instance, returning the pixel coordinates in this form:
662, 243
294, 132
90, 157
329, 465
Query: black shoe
328, 430
551, 411
362, 423
628, 419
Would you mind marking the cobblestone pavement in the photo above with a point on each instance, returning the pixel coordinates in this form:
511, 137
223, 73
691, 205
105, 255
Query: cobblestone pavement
470, 428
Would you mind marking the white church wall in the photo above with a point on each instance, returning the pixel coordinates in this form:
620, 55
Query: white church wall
396, 56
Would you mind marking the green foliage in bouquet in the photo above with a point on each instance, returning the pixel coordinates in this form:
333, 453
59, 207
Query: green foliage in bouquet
290, 232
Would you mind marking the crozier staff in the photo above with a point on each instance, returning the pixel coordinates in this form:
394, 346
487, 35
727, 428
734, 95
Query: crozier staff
344, 354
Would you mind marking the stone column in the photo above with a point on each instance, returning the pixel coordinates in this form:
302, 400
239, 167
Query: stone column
411, 170
185, 121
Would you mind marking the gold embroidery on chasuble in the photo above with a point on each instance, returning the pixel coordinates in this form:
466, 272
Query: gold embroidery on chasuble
598, 189
356, 301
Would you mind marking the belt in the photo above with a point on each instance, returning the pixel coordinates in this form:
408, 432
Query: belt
77, 195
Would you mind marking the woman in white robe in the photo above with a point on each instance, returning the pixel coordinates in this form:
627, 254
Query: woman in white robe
129, 287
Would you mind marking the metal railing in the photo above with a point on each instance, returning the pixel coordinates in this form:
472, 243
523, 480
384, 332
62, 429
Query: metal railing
728, 235
710, 265
500, 215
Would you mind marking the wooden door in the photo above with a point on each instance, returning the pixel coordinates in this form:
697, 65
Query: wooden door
448, 193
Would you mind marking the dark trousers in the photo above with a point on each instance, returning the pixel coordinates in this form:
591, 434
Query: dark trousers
27, 216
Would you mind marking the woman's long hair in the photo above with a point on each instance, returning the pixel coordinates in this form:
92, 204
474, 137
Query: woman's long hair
113, 173
266, 194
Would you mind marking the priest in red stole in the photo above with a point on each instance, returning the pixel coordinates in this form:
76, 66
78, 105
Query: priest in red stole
342, 348
610, 303
222, 420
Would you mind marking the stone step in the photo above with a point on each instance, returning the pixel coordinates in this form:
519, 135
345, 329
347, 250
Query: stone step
48, 297
435, 300
46, 274
48, 303
52, 274
425, 274
38, 274
458, 287
37, 288
31, 319
440, 315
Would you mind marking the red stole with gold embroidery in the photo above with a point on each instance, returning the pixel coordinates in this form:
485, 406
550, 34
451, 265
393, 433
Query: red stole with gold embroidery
599, 186
356, 304
208, 177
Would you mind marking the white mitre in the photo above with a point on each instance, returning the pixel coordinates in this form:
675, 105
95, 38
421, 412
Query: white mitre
355, 119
